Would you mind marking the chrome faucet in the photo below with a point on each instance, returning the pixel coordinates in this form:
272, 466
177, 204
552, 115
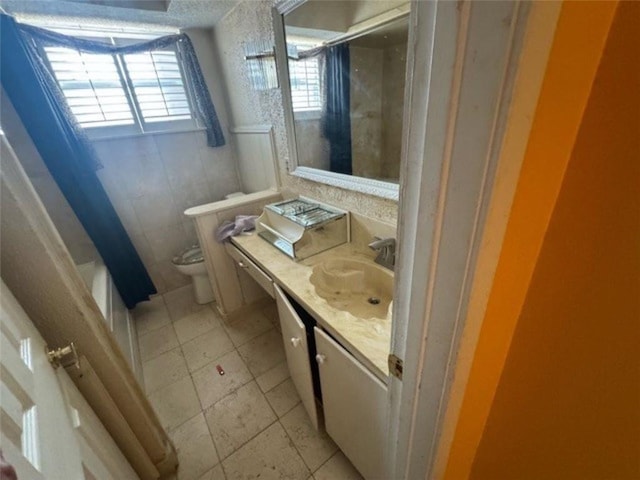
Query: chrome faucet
386, 248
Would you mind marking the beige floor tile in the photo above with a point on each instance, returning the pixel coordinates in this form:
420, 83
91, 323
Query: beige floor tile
151, 305
194, 445
269, 456
149, 319
273, 377
238, 417
315, 447
337, 468
181, 302
164, 370
283, 397
249, 326
175, 403
263, 352
195, 324
212, 387
157, 342
206, 348
271, 312
216, 473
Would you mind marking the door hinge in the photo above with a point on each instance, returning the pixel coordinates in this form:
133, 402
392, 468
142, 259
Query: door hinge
395, 366
57, 355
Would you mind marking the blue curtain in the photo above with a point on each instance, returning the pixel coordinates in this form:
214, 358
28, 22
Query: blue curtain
69, 157
337, 117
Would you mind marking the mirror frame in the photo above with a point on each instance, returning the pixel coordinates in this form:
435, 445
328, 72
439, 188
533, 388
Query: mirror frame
378, 188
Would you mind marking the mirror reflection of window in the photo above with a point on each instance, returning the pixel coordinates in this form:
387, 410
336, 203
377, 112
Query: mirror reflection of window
305, 80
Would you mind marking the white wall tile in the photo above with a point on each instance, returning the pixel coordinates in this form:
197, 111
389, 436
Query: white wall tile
166, 242
172, 278
156, 211
192, 194
129, 147
128, 217
150, 177
180, 155
143, 248
156, 277
190, 231
112, 184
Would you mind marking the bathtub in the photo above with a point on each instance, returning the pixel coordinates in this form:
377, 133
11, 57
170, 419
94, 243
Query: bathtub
116, 316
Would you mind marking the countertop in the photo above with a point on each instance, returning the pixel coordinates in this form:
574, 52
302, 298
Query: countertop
368, 340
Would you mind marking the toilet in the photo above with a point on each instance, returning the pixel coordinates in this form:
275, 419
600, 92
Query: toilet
190, 262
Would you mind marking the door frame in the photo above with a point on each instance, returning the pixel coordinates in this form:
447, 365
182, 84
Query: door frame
474, 74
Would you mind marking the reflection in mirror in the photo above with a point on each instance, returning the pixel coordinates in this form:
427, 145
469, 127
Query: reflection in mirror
347, 62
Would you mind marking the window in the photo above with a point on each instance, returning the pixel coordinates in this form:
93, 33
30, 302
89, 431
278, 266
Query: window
305, 84
120, 94
93, 87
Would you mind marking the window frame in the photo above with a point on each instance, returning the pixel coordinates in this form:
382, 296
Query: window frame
139, 127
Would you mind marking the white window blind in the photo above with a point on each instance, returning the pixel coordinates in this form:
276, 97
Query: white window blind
305, 84
158, 86
92, 86
142, 92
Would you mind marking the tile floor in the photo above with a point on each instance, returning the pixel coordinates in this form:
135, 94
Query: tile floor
246, 424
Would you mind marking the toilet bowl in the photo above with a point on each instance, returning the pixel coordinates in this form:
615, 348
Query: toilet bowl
191, 262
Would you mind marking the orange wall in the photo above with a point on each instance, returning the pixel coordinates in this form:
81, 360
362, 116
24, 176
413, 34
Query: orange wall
568, 402
567, 284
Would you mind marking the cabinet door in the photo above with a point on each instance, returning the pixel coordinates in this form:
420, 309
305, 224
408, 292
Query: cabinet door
354, 403
294, 335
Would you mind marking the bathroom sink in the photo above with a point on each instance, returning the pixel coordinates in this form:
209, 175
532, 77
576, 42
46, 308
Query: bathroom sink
359, 287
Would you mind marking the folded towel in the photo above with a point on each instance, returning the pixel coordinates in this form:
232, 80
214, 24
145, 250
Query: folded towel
242, 223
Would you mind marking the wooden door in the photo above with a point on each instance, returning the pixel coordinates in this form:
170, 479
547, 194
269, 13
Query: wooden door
294, 335
48, 431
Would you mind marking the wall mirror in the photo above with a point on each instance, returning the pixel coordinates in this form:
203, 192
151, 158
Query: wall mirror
342, 68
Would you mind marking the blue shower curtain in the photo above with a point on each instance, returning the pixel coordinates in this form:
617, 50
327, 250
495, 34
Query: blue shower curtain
69, 157
337, 117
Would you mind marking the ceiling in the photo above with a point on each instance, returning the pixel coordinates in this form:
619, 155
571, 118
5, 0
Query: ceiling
174, 13
392, 34
338, 15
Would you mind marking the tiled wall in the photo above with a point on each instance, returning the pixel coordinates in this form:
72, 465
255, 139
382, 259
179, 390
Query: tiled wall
151, 180
71, 230
251, 21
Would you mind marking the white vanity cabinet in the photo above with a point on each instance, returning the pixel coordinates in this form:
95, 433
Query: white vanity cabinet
294, 335
354, 405
336, 389
245, 264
